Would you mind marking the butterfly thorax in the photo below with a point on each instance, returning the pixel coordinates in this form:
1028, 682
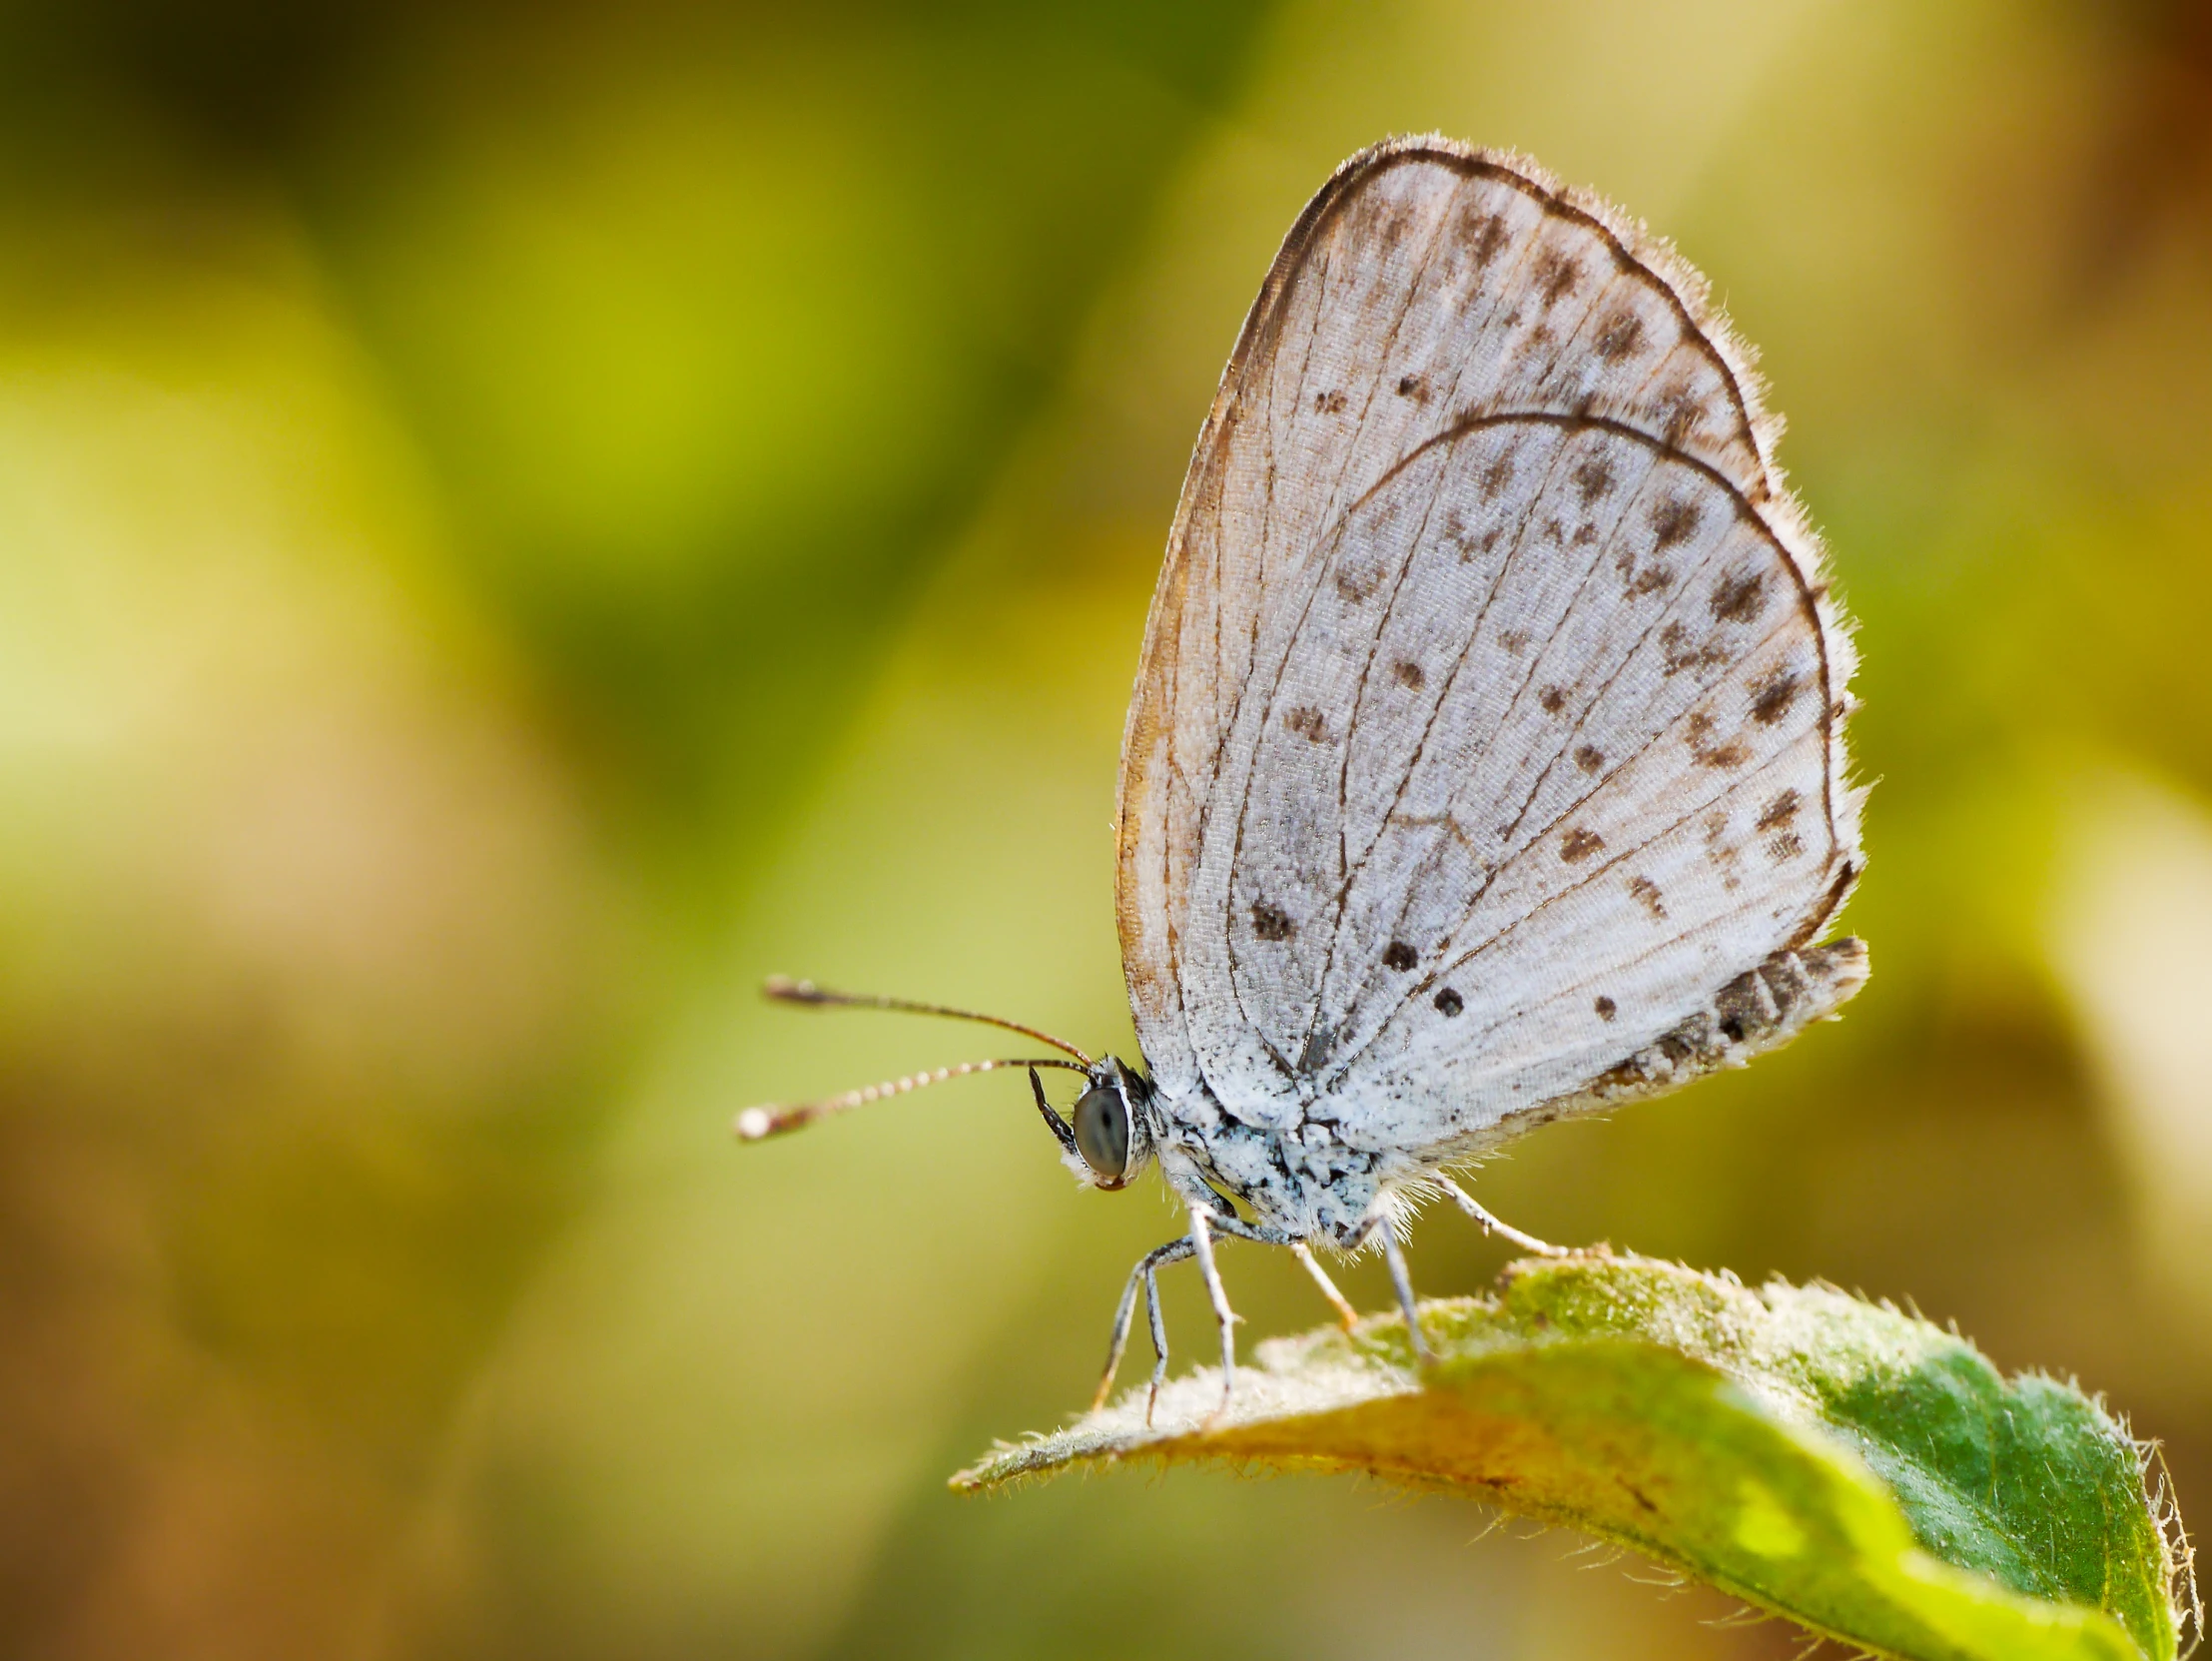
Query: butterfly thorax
1303, 1178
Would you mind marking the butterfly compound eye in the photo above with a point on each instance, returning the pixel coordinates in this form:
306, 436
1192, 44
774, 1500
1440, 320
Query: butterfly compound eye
1103, 1131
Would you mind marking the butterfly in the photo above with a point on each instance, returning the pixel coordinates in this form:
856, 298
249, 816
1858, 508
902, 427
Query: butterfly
1486, 759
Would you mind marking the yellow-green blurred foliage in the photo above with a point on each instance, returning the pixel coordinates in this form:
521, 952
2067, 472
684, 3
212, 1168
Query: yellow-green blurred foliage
516, 521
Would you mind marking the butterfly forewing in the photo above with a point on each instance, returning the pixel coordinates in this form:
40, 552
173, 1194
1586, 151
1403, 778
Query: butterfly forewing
1488, 716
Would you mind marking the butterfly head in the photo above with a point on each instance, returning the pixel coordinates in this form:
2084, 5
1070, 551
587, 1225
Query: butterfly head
1107, 1139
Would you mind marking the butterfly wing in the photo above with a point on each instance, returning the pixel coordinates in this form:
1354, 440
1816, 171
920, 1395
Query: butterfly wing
1489, 717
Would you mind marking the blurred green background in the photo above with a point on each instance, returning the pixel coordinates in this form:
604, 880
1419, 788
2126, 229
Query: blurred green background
516, 521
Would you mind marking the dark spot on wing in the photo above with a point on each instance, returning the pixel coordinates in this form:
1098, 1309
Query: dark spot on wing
1414, 388
1647, 891
1408, 673
1656, 579
1771, 697
1399, 955
1307, 722
1514, 640
1450, 1002
1780, 811
1270, 923
1607, 1009
1355, 586
1589, 759
1738, 599
1486, 236
1592, 478
1674, 520
1619, 335
1681, 415
1786, 847
1553, 700
1489, 539
1679, 654
1557, 275
1329, 403
1496, 477
1706, 752
1579, 844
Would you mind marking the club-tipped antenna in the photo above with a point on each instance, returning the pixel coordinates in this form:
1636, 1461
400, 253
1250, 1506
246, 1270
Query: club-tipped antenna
787, 991
771, 1120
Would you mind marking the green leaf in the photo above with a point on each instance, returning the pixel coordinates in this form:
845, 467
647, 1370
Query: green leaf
1855, 1469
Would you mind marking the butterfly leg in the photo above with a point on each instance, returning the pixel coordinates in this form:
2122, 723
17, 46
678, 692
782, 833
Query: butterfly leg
1491, 1225
1202, 1246
1344, 1310
1140, 1277
1394, 1255
1159, 1343
1266, 1235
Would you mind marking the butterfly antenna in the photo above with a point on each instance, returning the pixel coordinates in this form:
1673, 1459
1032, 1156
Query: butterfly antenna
787, 991
754, 1124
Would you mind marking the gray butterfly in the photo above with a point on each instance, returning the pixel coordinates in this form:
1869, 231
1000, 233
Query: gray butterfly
1486, 760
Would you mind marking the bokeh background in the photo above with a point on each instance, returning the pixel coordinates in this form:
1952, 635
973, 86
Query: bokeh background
518, 520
